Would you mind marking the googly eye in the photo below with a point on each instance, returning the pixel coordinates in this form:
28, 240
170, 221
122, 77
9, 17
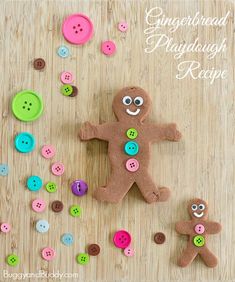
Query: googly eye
201, 207
194, 207
126, 100
138, 101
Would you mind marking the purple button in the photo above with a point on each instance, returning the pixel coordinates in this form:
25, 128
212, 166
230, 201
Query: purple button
79, 187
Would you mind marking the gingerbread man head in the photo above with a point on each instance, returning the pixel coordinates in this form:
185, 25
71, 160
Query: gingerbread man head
131, 103
198, 209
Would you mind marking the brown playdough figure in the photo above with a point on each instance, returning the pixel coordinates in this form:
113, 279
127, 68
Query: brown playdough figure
129, 146
198, 230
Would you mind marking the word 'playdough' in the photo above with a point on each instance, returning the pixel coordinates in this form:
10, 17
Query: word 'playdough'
129, 146
197, 229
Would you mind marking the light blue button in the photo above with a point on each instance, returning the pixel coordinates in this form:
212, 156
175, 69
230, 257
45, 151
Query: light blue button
24, 142
131, 148
63, 51
4, 169
42, 226
67, 239
34, 183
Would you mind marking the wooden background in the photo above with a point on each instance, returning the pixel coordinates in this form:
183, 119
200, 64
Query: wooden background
201, 165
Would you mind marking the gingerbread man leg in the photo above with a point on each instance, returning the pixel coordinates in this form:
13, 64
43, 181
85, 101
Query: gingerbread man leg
208, 257
149, 189
187, 256
118, 185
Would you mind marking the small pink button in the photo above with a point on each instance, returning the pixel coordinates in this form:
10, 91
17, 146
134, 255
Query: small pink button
5, 227
129, 252
66, 77
123, 26
48, 151
77, 29
48, 253
199, 229
132, 165
57, 169
108, 48
38, 205
122, 239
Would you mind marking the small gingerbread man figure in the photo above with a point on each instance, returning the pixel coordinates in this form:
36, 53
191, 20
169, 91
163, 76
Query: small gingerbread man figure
129, 146
198, 230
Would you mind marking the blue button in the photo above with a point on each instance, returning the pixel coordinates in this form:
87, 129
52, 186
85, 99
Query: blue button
34, 183
4, 169
67, 239
42, 226
24, 142
131, 148
63, 51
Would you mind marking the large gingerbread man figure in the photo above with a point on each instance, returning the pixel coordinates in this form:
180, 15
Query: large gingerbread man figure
198, 230
129, 146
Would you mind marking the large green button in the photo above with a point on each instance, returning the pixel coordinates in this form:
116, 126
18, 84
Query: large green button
199, 241
27, 105
13, 260
82, 258
132, 133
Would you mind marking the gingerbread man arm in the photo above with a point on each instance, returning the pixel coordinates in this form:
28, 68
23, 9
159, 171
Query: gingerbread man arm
102, 131
183, 227
158, 132
213, 227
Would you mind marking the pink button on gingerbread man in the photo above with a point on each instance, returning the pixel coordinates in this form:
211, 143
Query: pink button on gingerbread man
131, 106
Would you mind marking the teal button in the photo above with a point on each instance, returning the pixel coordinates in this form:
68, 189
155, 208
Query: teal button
131, 148
24, 142
34, 183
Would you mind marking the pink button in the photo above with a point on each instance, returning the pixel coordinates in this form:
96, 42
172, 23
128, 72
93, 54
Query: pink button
48, 151
66, 77
5, 227
57, 169
38, 205
48, 253
132, 165
108, 48
77, 29
129, 252
199, 229
122, 239
123, 26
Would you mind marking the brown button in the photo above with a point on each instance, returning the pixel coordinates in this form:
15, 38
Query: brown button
57, 206
39, 64
75, 91
159, 238
93, 250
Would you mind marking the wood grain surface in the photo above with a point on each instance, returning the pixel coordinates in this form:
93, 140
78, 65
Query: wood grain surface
201, 165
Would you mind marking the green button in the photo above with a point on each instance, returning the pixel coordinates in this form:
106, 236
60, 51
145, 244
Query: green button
51, 187
199, 241
75, 211
13, 260
132, 133
27, 105
66, 89
83, 258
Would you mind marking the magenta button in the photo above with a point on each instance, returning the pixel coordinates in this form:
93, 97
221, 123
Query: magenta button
122, 239
199, 229
132, 165
77, 29
108, 47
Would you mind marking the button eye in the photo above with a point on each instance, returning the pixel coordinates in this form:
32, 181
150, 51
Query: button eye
138, 101
127, 100
194, 207
201, 207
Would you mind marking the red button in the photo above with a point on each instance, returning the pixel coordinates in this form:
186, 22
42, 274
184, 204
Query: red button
122, 239
108, 47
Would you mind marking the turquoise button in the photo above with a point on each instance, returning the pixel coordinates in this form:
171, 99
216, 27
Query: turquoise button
24, 142
34, 183
131, 148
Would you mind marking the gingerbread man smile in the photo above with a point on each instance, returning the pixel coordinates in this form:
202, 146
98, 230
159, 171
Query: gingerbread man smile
129, 141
